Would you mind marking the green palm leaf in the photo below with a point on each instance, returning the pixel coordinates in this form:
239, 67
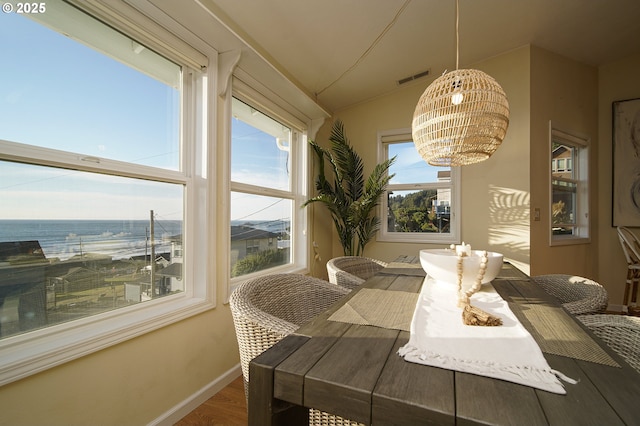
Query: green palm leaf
350, 199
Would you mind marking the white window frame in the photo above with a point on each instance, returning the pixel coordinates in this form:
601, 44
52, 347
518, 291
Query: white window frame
582, 224
385, 137
299, 181
35, 351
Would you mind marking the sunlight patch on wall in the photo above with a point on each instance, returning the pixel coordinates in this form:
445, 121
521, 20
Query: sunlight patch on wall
509, 213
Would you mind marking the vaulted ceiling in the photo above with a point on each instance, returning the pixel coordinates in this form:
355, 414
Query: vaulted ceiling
342, 52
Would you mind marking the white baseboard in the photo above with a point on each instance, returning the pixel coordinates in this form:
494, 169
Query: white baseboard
183, 408
617, 308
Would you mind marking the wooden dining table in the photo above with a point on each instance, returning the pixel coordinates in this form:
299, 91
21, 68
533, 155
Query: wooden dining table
354, 370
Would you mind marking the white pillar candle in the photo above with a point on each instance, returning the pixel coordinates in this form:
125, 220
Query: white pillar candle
463, 249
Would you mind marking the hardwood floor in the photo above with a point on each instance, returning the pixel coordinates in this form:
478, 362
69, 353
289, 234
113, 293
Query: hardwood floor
226, 408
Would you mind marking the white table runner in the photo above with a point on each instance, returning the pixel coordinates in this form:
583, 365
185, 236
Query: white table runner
439, 338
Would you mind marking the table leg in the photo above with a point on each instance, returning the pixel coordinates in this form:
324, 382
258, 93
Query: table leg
628, 286
264, 409
633, 308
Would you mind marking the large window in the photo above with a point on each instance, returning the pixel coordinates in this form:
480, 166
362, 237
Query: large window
267, 183
97, 172
569, 174
421, 201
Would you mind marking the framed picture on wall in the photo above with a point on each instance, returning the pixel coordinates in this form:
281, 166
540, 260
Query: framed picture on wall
626, 163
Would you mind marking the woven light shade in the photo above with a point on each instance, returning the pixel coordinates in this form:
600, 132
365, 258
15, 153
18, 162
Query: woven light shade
461, 118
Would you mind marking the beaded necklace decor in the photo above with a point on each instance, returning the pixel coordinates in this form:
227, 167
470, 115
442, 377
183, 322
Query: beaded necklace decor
465, 296
472, 315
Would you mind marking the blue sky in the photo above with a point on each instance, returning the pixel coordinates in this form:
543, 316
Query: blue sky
61, 94
409, 167
257, 160
57, 93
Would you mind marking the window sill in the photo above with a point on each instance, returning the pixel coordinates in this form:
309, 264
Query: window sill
419, 239
35, 351
568, 240
284, 269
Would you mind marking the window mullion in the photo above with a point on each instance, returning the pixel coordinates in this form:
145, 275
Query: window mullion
413, 186
260, 190
30, 154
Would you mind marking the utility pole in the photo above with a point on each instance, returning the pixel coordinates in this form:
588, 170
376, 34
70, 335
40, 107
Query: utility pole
153, 258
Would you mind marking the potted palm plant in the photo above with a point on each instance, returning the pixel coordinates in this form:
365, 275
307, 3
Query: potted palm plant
350, 199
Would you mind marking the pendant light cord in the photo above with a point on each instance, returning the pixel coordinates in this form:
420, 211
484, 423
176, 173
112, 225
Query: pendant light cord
369, 49
457, 35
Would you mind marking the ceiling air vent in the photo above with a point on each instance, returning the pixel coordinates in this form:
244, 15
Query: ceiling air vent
413, 77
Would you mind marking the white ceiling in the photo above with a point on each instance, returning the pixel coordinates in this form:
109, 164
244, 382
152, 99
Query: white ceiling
342, 52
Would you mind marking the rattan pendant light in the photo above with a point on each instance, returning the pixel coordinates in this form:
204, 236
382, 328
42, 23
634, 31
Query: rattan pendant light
461, 118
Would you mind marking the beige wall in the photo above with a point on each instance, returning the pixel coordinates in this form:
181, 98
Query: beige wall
495, 192
498, 195
563, 92
617, 81
131, 383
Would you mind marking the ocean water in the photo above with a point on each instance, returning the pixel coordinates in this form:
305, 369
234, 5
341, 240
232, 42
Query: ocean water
120, 239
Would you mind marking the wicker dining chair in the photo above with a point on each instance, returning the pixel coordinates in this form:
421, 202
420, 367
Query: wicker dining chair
620, 332
578, 295
351, 271
268, 308
631, 248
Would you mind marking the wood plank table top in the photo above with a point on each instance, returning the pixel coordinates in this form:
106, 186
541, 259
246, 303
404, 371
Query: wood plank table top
354, 371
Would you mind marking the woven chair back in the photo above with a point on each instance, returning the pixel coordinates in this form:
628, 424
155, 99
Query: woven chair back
620, 332
352, 271
578, 295
630, 245
268, 308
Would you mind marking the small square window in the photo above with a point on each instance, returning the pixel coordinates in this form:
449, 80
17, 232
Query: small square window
569, 216
421, 200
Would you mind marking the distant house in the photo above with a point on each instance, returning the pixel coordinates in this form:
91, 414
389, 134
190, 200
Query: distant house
171, 278
21, 252
246, 240
562, 162
562, 169
167, 274
76, 278
164, 258
443, 200
22, 271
